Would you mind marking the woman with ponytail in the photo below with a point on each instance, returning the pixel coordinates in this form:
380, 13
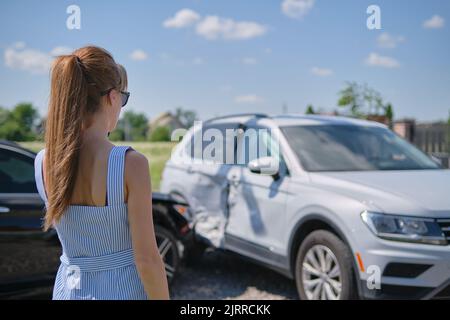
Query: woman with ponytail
97, 195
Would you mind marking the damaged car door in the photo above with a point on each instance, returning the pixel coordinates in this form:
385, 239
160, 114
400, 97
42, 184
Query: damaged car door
210, 169
257, 199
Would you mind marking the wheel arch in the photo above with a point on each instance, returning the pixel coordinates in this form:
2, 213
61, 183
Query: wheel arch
311, 223
161, 219
178, 195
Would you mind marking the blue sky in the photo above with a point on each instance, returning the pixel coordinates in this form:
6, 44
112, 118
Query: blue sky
231, 56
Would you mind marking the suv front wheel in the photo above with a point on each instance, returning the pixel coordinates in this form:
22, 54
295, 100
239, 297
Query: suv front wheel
324, 268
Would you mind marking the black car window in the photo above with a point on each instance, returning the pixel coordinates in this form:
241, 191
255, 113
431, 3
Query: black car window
16, 173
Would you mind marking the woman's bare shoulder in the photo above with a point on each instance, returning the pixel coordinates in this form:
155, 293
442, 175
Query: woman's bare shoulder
136, 165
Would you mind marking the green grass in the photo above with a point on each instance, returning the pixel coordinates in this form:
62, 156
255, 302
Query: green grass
157, 154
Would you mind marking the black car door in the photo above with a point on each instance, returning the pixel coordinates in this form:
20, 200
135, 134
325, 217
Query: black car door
28, 256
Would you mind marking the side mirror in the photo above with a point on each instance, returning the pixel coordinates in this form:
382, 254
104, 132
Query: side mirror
268, 166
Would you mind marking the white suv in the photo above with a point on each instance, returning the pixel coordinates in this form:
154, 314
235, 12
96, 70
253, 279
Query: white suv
349, 210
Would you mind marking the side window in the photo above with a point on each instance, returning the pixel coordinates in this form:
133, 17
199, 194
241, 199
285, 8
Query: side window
188, 147
258, 142
194, 146
16, 173
214, 142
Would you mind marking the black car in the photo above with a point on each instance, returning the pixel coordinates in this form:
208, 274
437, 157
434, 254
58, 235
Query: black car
29, 257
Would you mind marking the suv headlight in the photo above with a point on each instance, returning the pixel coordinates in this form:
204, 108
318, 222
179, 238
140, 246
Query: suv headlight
407, 229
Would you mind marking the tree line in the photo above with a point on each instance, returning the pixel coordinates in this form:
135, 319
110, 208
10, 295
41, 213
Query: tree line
361, 101
23, 123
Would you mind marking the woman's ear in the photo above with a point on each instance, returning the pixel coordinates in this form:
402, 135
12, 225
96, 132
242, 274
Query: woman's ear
110, 97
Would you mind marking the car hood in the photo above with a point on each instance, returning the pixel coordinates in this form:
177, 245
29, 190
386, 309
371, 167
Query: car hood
415, 193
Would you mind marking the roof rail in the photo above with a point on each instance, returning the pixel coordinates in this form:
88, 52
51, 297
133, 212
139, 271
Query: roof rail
9, 143
255, 115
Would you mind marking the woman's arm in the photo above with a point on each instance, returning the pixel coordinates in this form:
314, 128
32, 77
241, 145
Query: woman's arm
148, 260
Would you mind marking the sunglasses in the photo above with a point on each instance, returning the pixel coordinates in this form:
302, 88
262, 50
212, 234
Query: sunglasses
125, 95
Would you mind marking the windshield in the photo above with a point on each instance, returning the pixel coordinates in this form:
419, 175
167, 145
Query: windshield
354, 148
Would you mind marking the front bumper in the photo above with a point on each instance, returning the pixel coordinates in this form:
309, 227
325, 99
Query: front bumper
400, 292
403, 270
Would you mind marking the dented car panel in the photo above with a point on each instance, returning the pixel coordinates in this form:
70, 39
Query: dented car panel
331, 170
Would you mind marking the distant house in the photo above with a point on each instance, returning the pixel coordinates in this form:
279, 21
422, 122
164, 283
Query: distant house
432, 137
405, 128
166, 119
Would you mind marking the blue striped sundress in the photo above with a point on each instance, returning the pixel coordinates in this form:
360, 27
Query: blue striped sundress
97, 260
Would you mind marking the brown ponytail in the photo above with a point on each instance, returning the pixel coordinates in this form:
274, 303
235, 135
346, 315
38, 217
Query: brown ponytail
77, 81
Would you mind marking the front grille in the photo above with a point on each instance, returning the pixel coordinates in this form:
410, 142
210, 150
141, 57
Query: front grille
443, 294
405, 270
445, 226
402, 292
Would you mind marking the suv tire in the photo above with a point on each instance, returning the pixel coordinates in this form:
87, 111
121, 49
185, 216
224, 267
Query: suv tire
324, 268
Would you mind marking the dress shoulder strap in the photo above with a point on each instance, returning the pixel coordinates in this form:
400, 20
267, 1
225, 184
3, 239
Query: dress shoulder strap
39, 176
116, 175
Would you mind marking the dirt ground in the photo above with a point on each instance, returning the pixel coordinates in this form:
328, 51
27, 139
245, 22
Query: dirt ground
221, 275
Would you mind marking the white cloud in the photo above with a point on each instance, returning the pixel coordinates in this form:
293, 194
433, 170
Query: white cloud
321, 72
435, 22
18, 56
214, 27
376, 60
297, 8
182, 19
60, 51
386, 40
139, 55
248, 99
249, 61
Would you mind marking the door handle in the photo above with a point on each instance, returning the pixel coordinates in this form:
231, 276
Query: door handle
4, 210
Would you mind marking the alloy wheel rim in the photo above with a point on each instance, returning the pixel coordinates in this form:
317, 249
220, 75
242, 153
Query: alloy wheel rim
321, 274
165, 248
